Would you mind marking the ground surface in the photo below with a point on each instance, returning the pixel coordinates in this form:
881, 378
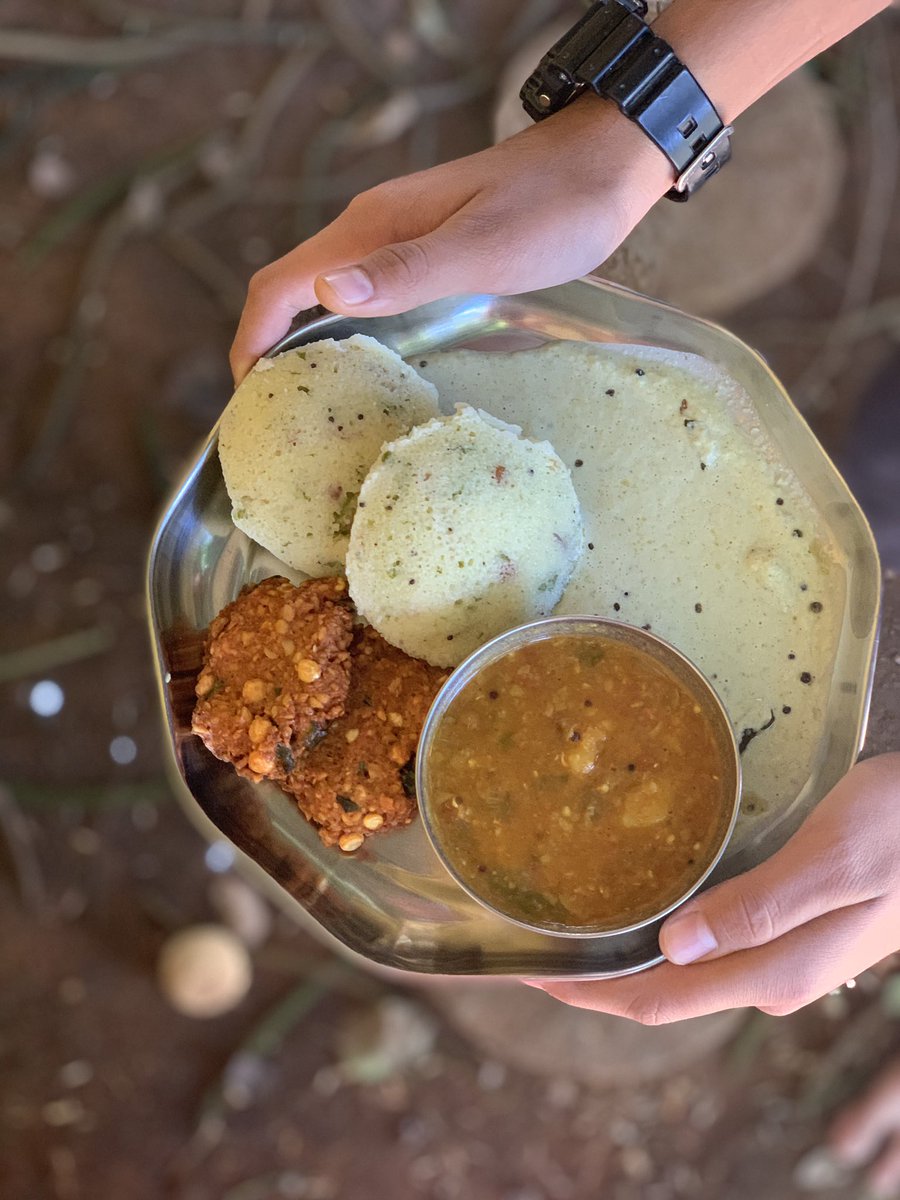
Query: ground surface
135, 200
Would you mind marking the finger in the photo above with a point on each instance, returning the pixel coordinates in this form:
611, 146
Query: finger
403, 275
410, 206
275, 296
861, 1128
285, 287
884, 1177
484, 246
826, 865
778, 978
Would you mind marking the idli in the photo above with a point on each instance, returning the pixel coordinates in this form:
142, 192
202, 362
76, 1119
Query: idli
299, 435
464, 529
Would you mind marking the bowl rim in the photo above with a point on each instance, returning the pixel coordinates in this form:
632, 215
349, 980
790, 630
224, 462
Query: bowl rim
530, 633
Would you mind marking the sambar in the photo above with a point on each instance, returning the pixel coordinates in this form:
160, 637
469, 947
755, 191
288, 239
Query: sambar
579, 781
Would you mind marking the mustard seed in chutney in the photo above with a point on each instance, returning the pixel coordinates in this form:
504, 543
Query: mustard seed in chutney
577, 781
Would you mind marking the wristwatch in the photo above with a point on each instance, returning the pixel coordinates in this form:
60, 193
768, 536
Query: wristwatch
614, 52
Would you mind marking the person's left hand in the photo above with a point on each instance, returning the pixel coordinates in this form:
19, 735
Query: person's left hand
821, 910
543, 207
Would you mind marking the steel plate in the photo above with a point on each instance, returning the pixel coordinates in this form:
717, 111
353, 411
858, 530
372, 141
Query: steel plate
393, 902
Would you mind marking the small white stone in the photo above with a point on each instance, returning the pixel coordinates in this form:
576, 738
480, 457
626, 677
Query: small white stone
48, 557
50, 176
46, 698
218, 159
204, 970
637, 1163
491, 1076
123, 750
241, 908
76, 1073
819, 1171
381, 1043
84, 841
219, 857
145, 203
103, 86
59, 1113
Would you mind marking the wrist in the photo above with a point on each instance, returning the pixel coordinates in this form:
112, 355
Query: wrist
602, 147
612, 52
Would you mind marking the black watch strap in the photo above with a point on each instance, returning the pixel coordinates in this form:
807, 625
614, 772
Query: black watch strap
616, 54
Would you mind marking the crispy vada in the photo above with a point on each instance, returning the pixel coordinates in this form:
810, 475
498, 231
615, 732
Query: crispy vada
276, 670
358, 779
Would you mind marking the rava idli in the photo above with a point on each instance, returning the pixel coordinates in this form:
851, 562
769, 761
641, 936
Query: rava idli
464, 529
299, 435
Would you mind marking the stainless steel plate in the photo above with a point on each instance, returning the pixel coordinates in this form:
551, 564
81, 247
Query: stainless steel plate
393, 902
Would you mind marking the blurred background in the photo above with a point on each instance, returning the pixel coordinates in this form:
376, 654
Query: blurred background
152, 156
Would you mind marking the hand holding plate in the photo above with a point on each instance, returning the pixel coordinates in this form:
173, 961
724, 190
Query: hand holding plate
824, 908
544, 207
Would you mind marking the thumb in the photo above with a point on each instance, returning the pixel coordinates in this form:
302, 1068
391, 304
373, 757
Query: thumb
843, 854
401, 276
806, 879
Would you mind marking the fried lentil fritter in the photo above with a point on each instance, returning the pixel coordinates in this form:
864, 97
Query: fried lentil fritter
352, 783
275, 672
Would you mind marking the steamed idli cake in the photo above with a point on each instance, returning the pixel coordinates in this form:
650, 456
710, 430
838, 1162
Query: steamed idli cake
464, 529
299, 435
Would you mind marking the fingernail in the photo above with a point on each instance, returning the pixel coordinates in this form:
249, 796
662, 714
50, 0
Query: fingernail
351, 285
688, 938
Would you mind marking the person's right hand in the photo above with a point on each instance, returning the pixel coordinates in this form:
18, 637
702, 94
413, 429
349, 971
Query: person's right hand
824, 908
543, 207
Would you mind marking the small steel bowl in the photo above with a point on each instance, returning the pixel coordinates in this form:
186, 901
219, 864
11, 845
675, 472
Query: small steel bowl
580, 626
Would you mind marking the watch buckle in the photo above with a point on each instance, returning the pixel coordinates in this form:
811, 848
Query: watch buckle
714, 155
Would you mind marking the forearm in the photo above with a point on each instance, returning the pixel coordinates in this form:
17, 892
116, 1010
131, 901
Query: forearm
739, 49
